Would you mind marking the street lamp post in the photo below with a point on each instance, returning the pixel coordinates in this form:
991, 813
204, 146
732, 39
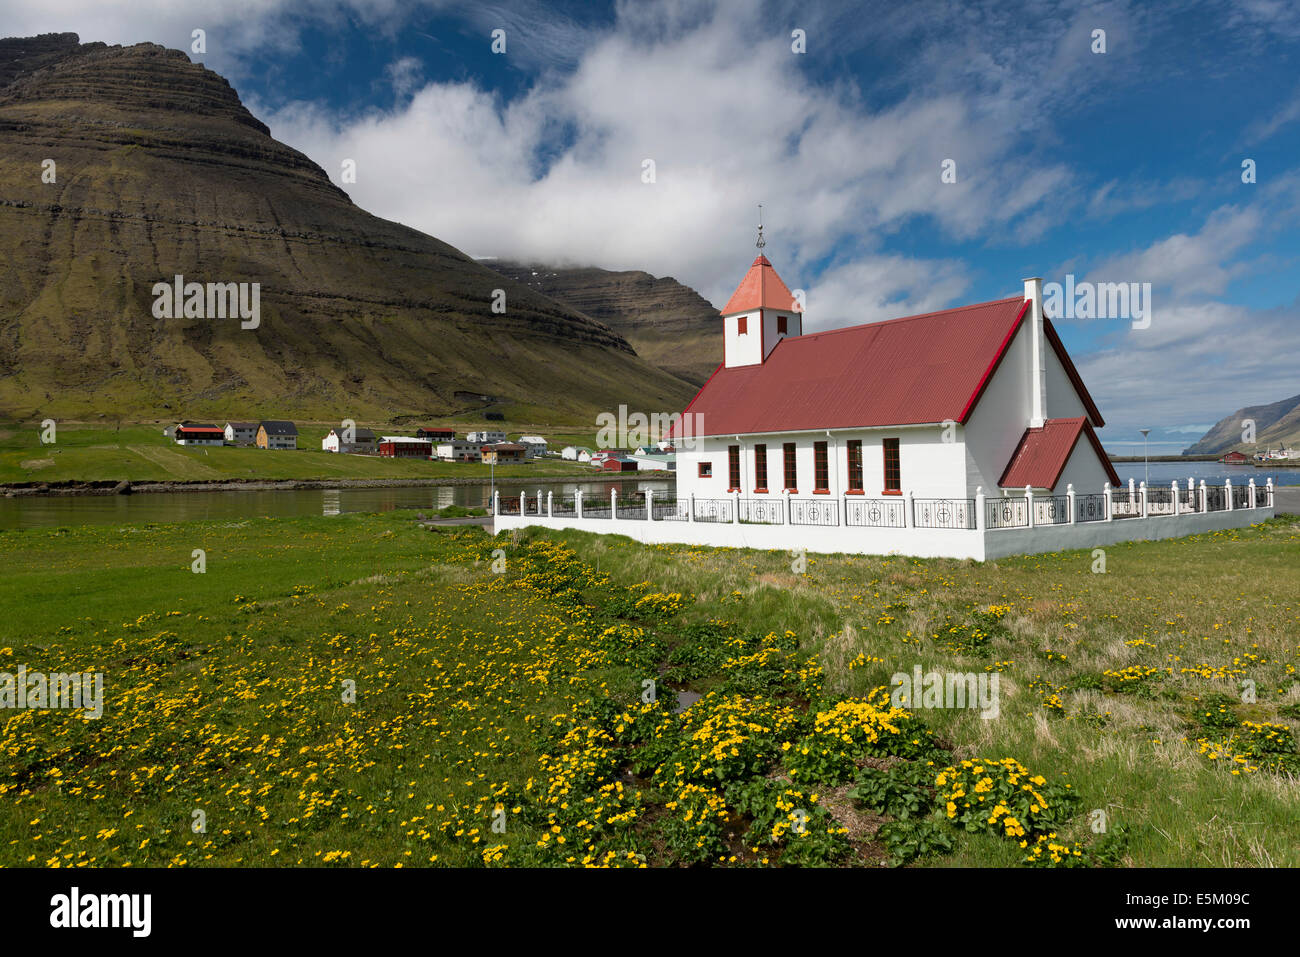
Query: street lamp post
1146, 464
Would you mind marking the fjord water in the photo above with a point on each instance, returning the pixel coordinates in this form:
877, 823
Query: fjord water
50, 510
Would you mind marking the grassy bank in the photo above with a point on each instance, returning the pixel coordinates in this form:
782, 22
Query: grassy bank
500, 711
143, 453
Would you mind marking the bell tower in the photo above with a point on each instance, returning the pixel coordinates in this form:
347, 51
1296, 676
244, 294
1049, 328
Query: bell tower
760, 313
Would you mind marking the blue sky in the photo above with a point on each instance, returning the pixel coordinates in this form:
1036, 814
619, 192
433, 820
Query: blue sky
1120, 166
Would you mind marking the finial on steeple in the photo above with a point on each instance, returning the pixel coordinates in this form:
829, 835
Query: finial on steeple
761, 241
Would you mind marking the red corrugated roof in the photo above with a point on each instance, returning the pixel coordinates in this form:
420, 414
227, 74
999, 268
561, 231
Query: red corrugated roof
1040, 457
914, 370
761, 288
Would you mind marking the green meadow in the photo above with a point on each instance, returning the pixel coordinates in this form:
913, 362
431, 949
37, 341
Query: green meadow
360, 691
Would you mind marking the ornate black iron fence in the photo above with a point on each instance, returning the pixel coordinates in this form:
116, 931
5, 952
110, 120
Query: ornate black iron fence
943, 513
713, 509
679, 511
875, 512
762, 511
1006, 513
814, 511
1090, 508
1052, 510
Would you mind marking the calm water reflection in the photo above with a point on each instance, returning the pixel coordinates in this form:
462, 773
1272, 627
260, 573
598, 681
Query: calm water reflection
39, 511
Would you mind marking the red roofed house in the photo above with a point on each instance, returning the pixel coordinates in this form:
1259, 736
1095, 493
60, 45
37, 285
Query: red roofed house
941, 405
194, 433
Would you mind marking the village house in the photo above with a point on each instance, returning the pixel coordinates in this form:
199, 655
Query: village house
570, 453
966, 432
486, 437
241, 433
435, 435
363, 441
459, 450
405, 447
507, 453
277, 434
534, 446
195, 433
1235, 458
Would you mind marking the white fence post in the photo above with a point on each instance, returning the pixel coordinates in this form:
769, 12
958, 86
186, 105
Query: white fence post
909, 516
1142, 490
1204, 500
1132, 495
649, 505
1251, 494
613, 505
1105, 502
577, 503
1175, 487
1227, 492
1271, 491
550, 504
788, 507
523, 502
979, 508
735, 508
1069, 500
496, 503
1029, 504
690, 515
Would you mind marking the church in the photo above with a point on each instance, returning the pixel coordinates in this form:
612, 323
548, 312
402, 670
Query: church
964, 433
939, 405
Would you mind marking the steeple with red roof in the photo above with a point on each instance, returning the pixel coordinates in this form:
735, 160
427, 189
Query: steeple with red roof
760, 313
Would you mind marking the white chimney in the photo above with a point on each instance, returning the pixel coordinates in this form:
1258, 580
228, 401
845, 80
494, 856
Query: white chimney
1038, 345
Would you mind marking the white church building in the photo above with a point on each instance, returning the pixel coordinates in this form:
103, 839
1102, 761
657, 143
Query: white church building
966, 432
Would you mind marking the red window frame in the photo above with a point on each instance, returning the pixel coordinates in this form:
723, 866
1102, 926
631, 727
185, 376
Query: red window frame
791, 467
733, 468
706, 470
853, 452
893, 467
742, 326
821, 469
760, 468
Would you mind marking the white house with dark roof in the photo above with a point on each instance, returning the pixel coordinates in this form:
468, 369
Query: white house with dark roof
965, 432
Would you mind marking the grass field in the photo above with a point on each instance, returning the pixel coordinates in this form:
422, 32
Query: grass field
500, 713
143, 453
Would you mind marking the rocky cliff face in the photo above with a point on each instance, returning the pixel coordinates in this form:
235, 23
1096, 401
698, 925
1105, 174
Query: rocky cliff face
1276, 425
668, 323
159, 170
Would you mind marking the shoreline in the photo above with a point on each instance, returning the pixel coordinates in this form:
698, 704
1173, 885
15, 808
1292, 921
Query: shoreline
110, 487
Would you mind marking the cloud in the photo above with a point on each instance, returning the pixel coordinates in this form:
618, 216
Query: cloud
716, 100
1190, 264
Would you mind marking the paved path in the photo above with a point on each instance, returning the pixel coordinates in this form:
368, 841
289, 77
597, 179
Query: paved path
485, 520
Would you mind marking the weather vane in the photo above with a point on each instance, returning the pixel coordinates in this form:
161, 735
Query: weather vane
761, 241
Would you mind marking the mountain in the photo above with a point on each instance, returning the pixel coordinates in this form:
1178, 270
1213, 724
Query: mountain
669, 324
159, 170
1275, 425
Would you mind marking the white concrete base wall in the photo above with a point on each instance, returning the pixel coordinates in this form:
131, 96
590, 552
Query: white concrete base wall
1055, 538
979, 544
